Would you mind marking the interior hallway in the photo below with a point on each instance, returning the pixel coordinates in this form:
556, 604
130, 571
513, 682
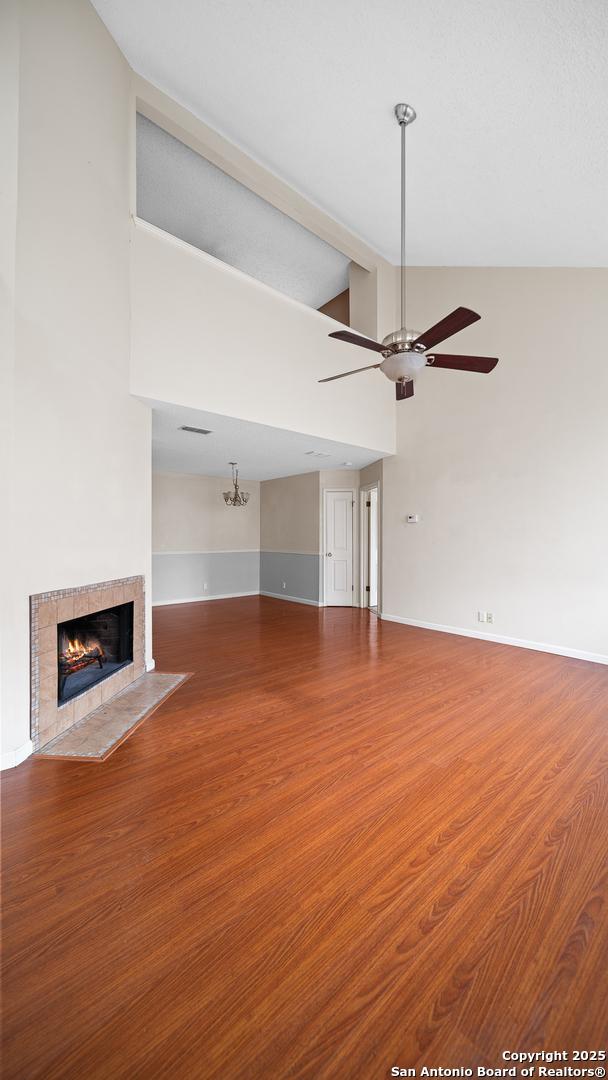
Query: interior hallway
342, 845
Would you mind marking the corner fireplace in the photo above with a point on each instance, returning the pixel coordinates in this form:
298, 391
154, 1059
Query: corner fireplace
92, 647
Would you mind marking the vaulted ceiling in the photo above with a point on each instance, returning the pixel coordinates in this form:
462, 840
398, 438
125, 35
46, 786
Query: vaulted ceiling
508, 159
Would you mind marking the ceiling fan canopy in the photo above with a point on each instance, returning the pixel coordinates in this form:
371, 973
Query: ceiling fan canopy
406, 352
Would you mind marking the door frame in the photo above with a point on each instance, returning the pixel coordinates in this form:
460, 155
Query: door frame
325, 492
363, 543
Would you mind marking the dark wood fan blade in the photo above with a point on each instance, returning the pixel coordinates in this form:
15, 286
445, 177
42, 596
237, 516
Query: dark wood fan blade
404, 390
484, 364
452, 323
356, 339
353, 372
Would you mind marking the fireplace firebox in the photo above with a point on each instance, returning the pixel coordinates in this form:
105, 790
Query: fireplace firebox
91, 648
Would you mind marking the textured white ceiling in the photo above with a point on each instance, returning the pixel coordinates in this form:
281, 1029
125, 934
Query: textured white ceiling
508, 159
181, 192
262, 452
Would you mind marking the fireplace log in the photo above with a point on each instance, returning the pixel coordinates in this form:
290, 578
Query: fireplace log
70, 665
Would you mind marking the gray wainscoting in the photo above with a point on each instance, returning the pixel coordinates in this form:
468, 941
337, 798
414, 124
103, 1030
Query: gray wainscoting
181, 576
299, 572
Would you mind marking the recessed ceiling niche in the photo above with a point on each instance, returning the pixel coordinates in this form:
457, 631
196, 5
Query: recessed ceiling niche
185, 195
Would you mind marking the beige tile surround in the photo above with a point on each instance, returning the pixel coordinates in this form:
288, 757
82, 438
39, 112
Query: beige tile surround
47, 610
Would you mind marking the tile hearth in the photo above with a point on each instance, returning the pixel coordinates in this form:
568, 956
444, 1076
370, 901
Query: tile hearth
103, 730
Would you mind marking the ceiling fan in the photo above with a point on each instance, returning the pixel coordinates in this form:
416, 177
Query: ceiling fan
406, 352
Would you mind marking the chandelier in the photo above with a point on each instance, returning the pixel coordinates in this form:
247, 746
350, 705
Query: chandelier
236, 497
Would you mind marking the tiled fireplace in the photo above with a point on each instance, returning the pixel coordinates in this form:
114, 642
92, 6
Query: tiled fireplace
86, 645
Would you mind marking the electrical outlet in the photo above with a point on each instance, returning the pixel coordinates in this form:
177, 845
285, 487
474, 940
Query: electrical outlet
284, 585
489, 616
205, 586
482, 616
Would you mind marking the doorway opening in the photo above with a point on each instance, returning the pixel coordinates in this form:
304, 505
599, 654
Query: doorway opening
370, 544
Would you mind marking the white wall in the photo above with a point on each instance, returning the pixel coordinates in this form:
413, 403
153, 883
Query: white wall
9, 140
209, 337
508, 471
81, 454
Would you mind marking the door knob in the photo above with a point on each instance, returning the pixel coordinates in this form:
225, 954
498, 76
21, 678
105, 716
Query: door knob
329, 555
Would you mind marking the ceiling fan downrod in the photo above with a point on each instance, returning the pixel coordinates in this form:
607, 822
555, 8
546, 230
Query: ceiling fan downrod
405, 352
405, 115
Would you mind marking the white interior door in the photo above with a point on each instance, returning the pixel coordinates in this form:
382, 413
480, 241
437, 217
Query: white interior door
338, 558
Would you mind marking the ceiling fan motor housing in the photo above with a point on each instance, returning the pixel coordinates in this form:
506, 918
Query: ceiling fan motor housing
401, 341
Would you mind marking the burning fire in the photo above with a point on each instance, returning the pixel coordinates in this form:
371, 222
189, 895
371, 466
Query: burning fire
75, 650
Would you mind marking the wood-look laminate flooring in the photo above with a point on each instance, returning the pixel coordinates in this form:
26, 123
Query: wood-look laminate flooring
344, 845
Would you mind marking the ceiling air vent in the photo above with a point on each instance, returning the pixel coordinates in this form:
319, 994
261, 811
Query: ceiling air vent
316, 453
196, 430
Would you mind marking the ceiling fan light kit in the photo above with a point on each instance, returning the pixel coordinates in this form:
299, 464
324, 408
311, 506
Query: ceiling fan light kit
405, 352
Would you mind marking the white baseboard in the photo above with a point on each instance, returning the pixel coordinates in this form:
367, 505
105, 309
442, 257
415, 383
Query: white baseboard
500, 639
11, 758
232, 596
293, 599
207, 596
